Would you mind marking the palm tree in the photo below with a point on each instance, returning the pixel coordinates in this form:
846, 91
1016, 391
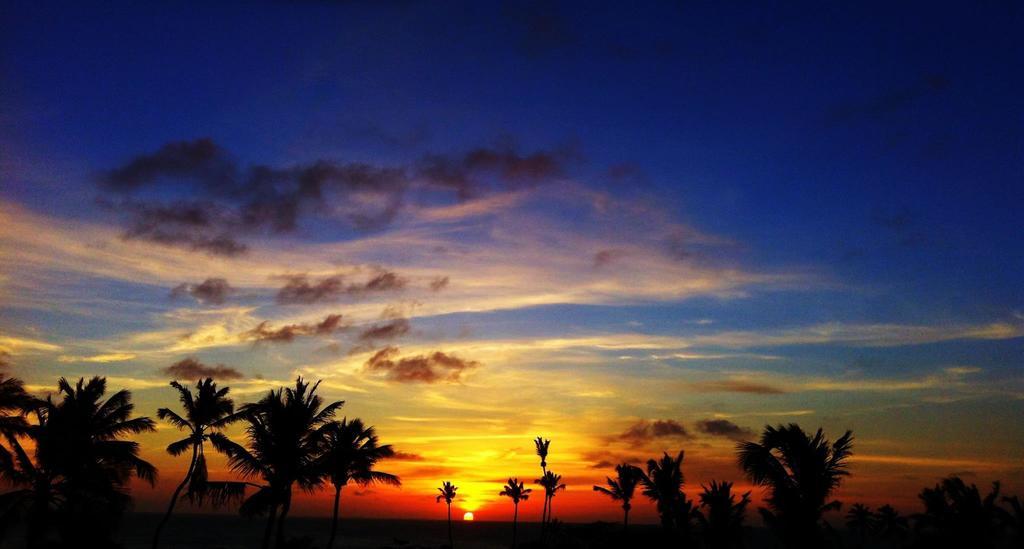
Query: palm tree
286, 431
517, 492
206, 414
861, 522
552, 483
1013, 519
722, 519
622, 487
350, 452
14, 404
663, 484
81, 453
542, 446
890, 524
448, 494
34, 495
800, 472
956, 515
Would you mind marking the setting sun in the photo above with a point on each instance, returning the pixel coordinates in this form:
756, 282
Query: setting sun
467, 516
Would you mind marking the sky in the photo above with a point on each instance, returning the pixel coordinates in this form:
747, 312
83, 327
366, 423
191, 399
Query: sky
627, 230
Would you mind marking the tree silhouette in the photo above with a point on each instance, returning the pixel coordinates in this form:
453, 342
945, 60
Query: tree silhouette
285, 432
206, 414
82, 464
448, 491
889, 524
956, 515
542, 446
14, 404
721, 519
551, 483
860, 520
663, 484
622, 487
1013, 519
800, 473
517, 492
350, 452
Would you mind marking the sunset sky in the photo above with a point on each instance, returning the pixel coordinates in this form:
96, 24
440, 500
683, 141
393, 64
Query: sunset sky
629, 231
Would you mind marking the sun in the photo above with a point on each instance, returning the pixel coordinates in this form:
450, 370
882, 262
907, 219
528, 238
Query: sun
467, 516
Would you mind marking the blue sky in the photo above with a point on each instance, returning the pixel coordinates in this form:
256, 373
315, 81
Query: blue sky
821, 199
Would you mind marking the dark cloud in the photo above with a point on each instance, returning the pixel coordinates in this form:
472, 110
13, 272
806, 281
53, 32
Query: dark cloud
406, 456
439, 283
723, 428
603, 464
193, 194
645, 431
212, 291
432, 368
299, 289
735, 386
900, 223
888, 103
468, 174
190, 369
542, 26
389, 330
286, 334
605, 257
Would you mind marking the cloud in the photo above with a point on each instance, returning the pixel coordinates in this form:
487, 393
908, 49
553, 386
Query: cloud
286, 334
15, 345
406, 456
439, 283
190, 369
212, 291
388, 330
432, 368
605, 257
470, 173
299, 289
102, 358
887, 103
5, 360
738, 386
646, 431
193, 194
723, 428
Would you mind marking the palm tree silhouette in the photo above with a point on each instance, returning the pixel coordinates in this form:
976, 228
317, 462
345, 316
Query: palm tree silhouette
890, 524
956, 515
285, 431
82, 461
551, 483
622, 487
206, 414
542, 446
516, 491
350, 452
448, 494
1013, 519
14, 404
800, 472
663, 484
722, 518
860, 520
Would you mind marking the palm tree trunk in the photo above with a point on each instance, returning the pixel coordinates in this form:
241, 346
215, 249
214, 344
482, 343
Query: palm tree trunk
515, 524
451, 543
174, 496
625, 519
334, 521
551, 500
285, 507
271, 519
